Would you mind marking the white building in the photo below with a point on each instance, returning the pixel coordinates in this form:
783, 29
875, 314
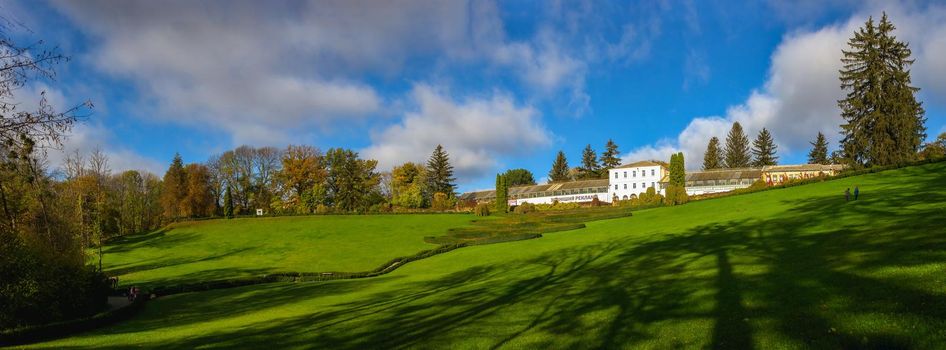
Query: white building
631, 180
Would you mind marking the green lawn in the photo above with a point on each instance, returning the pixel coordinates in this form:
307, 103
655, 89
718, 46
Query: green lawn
791, 268
216, 249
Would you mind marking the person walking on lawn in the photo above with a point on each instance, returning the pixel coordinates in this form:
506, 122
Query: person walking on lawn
847, 194
857, 191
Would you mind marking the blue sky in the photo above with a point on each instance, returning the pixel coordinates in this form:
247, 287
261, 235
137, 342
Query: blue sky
500, 84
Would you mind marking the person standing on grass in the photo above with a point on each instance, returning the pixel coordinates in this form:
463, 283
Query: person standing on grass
847, 194
857, 191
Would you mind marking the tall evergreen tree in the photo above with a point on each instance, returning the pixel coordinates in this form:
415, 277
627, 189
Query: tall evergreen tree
228, 204
819, 150
502, 194
440, 172
609, 158
676, 189
763, 149
883, 121
737, 148
560, 168
713, 158
175, 188
589, 163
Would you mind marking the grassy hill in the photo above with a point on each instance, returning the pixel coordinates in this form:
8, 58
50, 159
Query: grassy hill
216, 249
789, 268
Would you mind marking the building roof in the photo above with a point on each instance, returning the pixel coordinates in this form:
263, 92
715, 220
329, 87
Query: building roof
477, 195
725, 174
802, 167
639, 164
520, 190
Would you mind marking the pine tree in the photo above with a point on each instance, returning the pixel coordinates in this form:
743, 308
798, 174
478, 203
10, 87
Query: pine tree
737, 148
883, 121
502, 194
819, 150
228, 204
609, 158
560, 168
712, 159
763, 149
589, 163
175, 188
440, 173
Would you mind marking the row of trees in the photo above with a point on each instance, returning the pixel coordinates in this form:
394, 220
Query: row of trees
302, 180
737, 152
591, 167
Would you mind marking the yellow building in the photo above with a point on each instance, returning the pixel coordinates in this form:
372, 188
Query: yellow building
778, 174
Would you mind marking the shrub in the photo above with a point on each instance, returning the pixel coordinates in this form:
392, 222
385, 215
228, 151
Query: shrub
556, 205
440, 202
322, 209
595, 202
525, 208
481, 209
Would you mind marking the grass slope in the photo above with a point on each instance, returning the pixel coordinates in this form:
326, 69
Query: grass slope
216, 249
789, 268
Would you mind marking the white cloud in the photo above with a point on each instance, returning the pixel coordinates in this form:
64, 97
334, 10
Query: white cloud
86, 137
474, 131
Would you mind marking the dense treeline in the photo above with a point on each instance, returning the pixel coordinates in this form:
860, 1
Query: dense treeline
301, 179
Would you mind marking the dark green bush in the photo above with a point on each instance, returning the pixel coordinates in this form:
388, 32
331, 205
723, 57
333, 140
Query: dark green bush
32, 334
38, 287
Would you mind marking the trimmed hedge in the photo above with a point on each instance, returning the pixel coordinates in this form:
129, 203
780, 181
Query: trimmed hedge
55, 330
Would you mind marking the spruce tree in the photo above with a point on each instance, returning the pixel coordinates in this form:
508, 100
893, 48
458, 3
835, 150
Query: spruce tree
440, 173
713, 158
502, 194
737, 148
609, 158
589, 163
819, 150
883, 121
559, 170
763, 149
228, 204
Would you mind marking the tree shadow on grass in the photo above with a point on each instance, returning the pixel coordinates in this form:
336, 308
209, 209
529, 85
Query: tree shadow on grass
171, 262
158, 238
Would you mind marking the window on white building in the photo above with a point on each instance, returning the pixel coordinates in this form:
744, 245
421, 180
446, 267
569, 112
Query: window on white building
643, 185
635, 185
634, 173
615, 175
651, 172
615, 186
651, 184
625, 174
625, 186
